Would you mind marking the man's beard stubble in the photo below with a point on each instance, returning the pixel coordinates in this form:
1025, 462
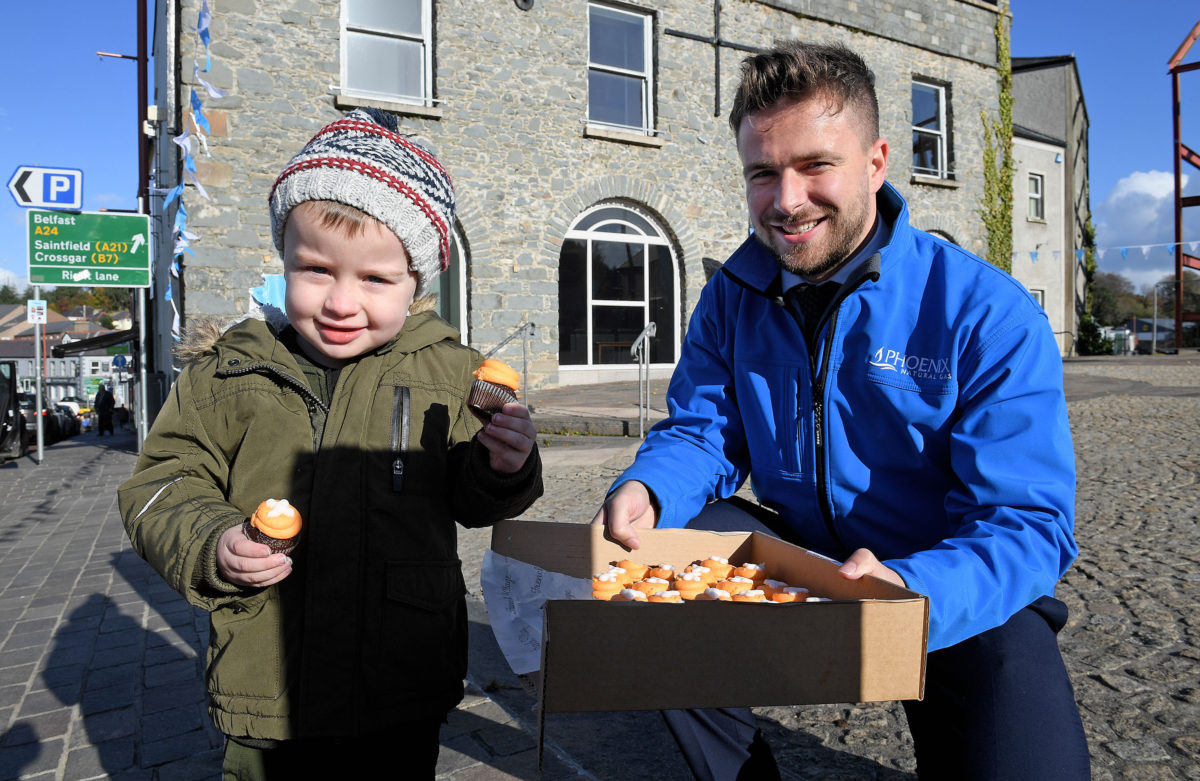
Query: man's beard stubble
845, 242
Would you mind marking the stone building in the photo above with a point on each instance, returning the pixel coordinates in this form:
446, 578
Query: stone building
1051, 198
596, 175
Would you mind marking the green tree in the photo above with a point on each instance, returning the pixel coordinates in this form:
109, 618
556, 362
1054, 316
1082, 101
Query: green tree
1090, 340
1113, 298
995, 207
8, 295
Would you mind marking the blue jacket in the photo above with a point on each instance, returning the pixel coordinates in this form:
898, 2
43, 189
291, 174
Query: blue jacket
927, 423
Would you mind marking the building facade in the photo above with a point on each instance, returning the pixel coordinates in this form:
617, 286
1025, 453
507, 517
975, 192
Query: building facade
1051, 197
597, 179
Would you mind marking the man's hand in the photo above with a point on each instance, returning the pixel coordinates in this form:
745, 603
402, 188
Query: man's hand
863, 562
243, 562
509, 438
626, 510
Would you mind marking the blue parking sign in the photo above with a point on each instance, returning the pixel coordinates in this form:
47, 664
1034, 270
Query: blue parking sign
47, 188
59, 189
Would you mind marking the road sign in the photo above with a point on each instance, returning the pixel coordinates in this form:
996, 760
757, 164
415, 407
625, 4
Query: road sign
47, 188
92, 249
120, 362
35, 311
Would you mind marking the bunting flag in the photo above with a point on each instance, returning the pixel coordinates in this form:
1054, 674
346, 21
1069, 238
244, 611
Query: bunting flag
202, 23
213, 92
198, 117
1146, 249
188, 142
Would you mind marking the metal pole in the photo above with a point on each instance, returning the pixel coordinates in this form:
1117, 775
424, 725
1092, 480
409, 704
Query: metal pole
37, 374
1154, 337
525, 363
141, 356
1177, 150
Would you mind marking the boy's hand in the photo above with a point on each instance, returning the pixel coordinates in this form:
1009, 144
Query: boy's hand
509, 438
243, 562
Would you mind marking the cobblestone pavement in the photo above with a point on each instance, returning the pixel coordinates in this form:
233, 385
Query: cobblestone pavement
101, 664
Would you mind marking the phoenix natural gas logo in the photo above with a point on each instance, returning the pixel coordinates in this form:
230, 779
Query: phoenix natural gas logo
912, 365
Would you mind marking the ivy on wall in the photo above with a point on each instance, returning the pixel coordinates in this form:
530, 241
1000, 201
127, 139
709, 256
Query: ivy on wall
996, 207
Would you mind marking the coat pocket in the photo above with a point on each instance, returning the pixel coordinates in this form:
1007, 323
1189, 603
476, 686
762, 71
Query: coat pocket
422, 639
245, 652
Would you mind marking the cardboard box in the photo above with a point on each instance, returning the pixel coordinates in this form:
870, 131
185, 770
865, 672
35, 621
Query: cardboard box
868, 644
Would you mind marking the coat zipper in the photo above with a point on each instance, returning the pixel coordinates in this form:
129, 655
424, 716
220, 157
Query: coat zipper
818, 379
400, 429
305, 391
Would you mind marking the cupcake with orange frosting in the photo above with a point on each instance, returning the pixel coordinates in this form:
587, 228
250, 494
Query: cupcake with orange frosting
664, 571
495, 385
276, 524
636, 571
665, 596
713, 594
755, 572
790, 594
689, 584
734, 584
772, 587
750, 595
650, 586
605, 585
721, 568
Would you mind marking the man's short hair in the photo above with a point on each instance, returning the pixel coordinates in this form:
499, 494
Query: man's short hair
799, 70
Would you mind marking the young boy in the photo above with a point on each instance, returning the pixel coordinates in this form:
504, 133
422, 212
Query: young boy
351, 650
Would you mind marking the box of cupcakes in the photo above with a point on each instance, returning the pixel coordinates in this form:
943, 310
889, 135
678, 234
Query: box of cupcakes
695, 619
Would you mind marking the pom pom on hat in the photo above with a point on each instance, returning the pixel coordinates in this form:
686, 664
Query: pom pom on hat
362, 161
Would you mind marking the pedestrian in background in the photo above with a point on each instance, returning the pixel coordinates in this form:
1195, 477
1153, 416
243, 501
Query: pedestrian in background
104, 404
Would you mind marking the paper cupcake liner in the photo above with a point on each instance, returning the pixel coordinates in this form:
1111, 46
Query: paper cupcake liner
276, 545
486, 398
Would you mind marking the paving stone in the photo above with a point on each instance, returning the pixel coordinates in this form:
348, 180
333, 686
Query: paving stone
1132, 645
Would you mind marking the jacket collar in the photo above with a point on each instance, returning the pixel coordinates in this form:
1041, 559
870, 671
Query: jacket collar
754, 267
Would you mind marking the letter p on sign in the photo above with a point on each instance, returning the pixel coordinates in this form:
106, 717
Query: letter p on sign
59, 189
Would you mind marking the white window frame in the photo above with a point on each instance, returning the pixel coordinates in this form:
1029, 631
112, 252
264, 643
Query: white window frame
942, 167
425, 40
647, 76
1039, 295
593, 234
1037, 197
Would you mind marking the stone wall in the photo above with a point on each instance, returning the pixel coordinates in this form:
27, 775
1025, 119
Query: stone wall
510, 126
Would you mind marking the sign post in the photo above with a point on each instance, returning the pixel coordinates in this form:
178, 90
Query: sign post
92, 249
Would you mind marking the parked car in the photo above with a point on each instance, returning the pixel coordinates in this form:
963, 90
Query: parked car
69, 421
83, 410
51, 425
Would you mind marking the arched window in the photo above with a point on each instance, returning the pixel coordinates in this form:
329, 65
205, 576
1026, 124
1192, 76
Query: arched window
451, 288
617, 274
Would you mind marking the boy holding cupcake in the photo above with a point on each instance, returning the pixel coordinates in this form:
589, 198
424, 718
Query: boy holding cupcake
349, 651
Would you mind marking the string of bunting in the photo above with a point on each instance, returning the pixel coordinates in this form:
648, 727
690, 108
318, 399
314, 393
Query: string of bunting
193, 138
1102, 251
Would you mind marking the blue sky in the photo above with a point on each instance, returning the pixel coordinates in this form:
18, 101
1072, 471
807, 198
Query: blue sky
62, 106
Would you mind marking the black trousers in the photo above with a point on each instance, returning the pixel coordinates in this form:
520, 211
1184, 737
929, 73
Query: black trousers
997, 706
410, 752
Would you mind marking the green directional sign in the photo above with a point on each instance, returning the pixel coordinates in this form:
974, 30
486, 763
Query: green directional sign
88, 249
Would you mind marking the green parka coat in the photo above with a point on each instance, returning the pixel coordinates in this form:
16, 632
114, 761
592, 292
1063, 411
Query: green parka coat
370, 629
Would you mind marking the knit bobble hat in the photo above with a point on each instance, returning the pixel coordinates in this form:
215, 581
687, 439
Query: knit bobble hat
361, 160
